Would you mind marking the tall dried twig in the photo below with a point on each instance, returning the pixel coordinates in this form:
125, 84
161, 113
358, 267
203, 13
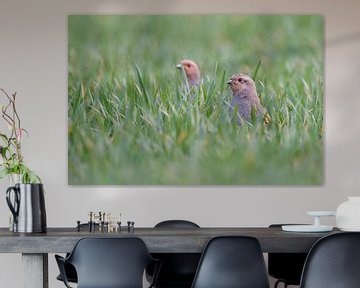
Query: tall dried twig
14, 123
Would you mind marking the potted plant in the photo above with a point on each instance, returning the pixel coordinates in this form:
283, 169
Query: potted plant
25, 197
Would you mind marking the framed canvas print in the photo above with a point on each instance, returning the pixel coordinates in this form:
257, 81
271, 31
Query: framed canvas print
195, 100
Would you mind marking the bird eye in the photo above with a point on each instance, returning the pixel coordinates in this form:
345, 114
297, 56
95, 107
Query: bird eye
240, 80
188, 65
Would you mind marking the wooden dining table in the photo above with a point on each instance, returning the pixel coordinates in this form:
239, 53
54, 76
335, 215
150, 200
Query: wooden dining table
35, 247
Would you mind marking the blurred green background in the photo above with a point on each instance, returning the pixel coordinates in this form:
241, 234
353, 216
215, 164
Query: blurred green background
129, 122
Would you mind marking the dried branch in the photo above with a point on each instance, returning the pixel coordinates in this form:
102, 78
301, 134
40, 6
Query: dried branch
10, 151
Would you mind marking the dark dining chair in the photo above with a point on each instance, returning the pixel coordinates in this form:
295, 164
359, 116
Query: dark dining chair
70, 271
108, 263
232, 262
178, 269
333, 262
286, 267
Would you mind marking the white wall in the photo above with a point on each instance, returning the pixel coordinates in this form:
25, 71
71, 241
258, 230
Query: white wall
33, 62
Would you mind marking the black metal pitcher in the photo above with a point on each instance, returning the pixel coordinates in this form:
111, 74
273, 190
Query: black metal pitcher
28, 208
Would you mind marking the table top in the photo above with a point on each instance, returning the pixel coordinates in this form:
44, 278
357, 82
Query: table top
158, 240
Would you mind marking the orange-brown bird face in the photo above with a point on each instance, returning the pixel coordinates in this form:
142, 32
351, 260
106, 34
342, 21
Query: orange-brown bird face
241, 83
192, 71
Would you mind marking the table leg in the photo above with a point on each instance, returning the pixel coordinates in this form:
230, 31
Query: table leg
35, 270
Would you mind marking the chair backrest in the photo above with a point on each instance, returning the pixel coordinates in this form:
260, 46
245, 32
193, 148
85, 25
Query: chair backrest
232, 262
333, 262
178, 269
176, 224
110, 262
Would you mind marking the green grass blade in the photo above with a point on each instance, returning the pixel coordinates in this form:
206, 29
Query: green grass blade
142, 85
256, 69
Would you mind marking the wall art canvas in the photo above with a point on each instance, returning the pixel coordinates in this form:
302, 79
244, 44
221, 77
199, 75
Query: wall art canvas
195, 100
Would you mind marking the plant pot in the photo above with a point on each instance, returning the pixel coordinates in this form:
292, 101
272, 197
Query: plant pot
348, 214
27, 204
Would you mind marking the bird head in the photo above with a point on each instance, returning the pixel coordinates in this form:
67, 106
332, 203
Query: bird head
192, 71
241, 83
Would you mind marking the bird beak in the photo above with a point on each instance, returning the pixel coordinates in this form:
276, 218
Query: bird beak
178, 66
228, 82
